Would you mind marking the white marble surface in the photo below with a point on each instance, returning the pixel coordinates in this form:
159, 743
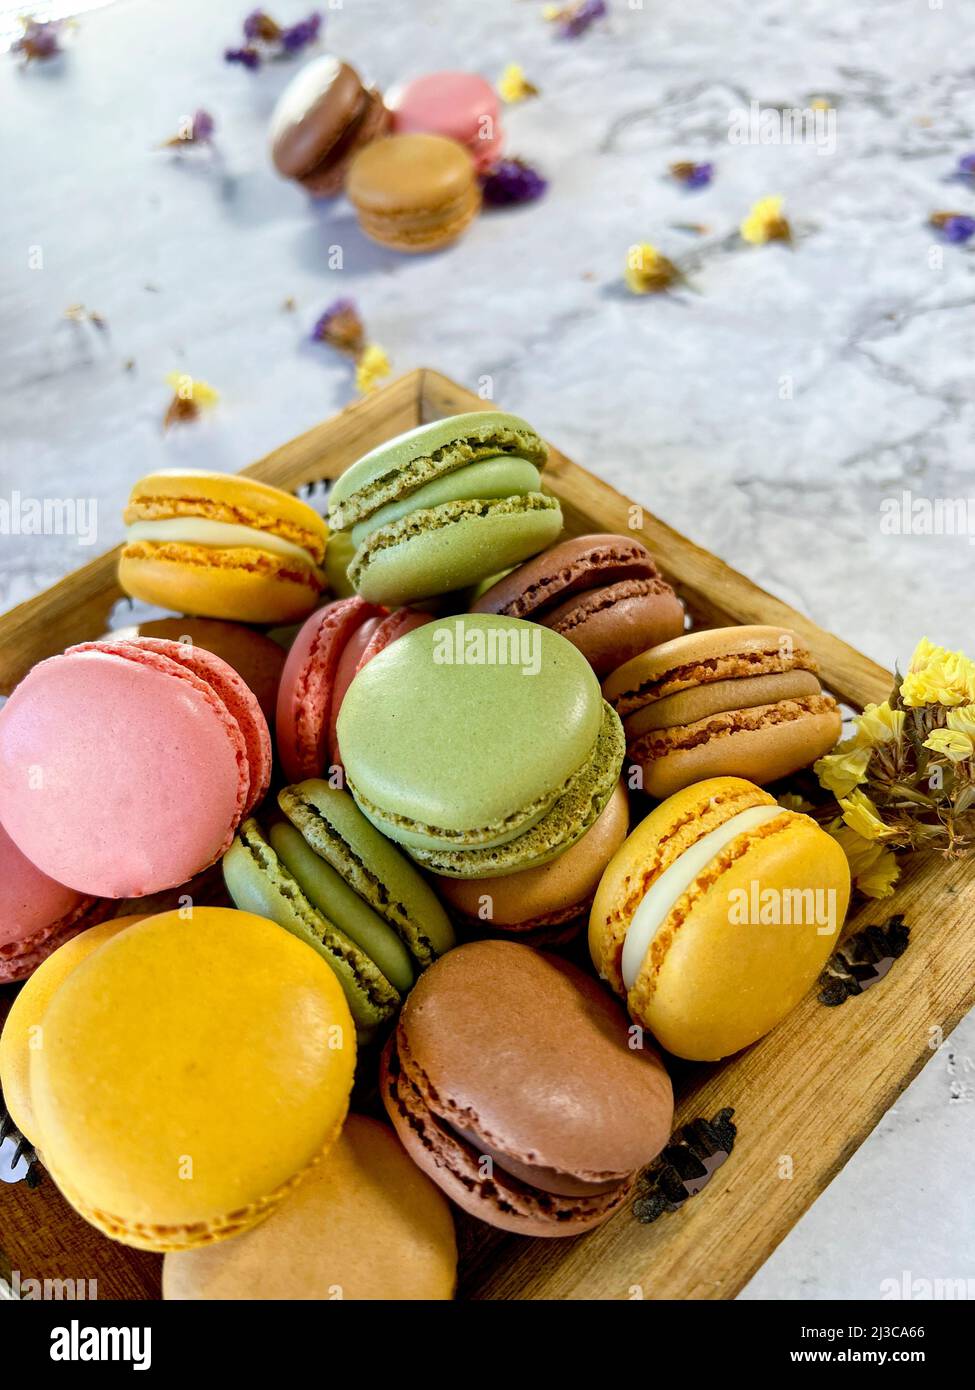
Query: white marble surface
674, 399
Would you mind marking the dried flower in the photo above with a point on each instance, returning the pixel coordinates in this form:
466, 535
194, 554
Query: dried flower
647, 271
843, 770
956, 227
77, 313
260, 27
874, 870
39, 41
341, 327
189, 398
936, 676
765, 222
247, 57
860, 814
962, 719
372, 366
300, 35
265, 38
966, 167
512, 181
193, 130
692, 175
574, 20
951, 744
513, 85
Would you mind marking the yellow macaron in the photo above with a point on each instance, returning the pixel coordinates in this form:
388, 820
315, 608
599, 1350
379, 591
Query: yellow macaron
365, 1224
221, 545
717, 914
192, 1068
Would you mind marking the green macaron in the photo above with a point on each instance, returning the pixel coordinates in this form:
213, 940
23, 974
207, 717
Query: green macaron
327, 875
444, 505
481, 744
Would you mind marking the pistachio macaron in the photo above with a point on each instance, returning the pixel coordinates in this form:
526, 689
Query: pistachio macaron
194, 1066
329, 877
716, 916
444, 505
480, 744
221, 545
728, 701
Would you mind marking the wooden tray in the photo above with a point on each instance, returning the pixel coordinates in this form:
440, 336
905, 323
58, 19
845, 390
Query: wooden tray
810, 1092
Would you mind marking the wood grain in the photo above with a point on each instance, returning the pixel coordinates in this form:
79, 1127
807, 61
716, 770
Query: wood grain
806, 1096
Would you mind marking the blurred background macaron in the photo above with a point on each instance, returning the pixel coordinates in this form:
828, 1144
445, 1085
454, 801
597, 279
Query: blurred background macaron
323, 118
603, 593
364, 1224
414, 193
194, 1067
480, 744
512, 1083
716, 916
459, 105
324, 873
443, 506
728, 701
221, 545
126, 766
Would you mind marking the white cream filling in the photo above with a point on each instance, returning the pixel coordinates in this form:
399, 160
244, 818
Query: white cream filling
674, 882
223, 535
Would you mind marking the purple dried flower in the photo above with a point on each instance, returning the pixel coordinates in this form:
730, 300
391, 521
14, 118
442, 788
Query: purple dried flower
692, 175
966, 166
247, 57
302, 33
201, 131
512, 181
39, 39
576, 20
958, 228
260, 27
341, 326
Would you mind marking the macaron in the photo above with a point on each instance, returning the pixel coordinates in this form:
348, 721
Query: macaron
257, 659
126, 766
194, 1067
323, 118
364, 1224
444, 505
220, 545
717, 915
39, 915
23, 1030
329, 877
727, 701
414, 193
480, 744
604, 593
332, 645
459, 105
511, 1082
545, 905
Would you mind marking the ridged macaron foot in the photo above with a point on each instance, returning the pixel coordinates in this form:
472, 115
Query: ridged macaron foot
717, 915
250, 1047
511, 1083
322, 119
364, 1224
730, 701
126, 766
465, 773
414, 193
602, 592
221, 545
444, 505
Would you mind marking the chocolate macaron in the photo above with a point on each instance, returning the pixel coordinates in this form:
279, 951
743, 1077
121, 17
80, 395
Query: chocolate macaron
723, 702
604, 593
510, 1081
324, 117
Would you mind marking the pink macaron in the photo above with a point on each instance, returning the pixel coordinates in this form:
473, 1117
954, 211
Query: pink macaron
38, 914
332, 645
459, 105
126, 766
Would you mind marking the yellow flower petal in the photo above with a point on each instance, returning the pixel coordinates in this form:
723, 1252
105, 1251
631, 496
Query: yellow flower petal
186, 389
843, 770
880, 724
765, 222
513, 86
951, 744
860, 814
878, 881
874, 869
936, 676
962, 719
647, 271
372, 366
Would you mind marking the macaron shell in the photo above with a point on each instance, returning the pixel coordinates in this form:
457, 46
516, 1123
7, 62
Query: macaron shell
241, 584
717, 697
34, 904
117, 778
252, 1053
313, 113
710, 985
364, 1224
575, 565
458, 105
613, 624
414, 192
327, 179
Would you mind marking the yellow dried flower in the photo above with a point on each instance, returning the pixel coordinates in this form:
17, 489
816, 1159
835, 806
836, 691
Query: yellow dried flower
874, 869
189, 398
647, 271
371, 367
880, 724
845, 769
861, 815
936, 676
765, 222
962, 719
513, 85
951, 744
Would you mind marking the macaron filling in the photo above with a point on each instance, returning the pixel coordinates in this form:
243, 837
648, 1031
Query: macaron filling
721, 697
217, 535
666, 890
658, 743
503, 476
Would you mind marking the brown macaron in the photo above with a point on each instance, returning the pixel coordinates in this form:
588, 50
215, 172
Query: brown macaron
546, 905
604, 593
323, 118
414, 192
723, 702
512, 1083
